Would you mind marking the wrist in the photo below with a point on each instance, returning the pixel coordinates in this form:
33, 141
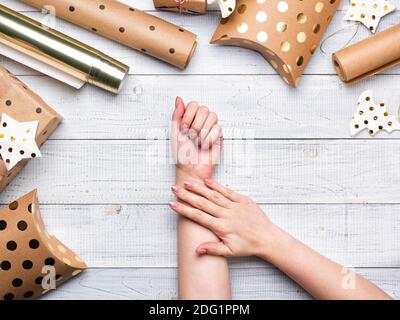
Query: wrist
275, 244
183, 175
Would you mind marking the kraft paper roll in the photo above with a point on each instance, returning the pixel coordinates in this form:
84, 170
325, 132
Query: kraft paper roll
285, 33
126, 25
32, 262
22, 104
369, 56
183, 6
60, 51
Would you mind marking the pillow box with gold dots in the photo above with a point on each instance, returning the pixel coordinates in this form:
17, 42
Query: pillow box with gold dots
31, 261
285, 33
21, 104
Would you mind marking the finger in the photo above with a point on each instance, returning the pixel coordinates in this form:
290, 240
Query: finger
211, 121
212, 137
193, 214
196, 201
200, 118
214, 249
179, 110
208, 193
228, 193
190, 113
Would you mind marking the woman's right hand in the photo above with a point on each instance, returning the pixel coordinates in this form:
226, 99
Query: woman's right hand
242, 226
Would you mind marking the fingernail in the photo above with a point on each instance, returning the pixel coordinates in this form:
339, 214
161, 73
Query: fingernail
207, 181
184, 127
177, 102
202, 251
172, 204
175, 189
188, 184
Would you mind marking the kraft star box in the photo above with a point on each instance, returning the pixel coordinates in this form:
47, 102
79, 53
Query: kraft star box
285, 33
32, 262
22, 105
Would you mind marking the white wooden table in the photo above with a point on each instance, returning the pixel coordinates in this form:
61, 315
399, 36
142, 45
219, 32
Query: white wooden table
105, 175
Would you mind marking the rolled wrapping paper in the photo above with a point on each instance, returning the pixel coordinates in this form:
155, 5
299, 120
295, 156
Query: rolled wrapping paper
59, 51
32, 262
22, 104
369, 56
126, 25
183, 6
285, 33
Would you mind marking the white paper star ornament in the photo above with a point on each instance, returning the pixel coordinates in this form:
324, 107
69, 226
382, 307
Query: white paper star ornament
372, 116
17, 140
369, 12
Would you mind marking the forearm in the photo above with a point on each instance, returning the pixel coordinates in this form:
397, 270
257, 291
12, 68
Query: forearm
200, 277
321, 277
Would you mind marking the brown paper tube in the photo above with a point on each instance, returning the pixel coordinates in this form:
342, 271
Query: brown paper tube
32, 262
182, 6
22, 104
126, 25
368, 57
285, 33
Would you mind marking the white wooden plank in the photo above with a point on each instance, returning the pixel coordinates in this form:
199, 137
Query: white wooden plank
157, 284
312, 171
254, 106
145, 236
212, 59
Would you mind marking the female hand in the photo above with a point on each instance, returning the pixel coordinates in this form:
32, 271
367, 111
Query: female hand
196, 139
242, 227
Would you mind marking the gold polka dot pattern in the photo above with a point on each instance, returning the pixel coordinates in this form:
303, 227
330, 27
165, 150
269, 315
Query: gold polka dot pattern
188, 6
22, 104
129, 26
372, 116
31, 263
286, 32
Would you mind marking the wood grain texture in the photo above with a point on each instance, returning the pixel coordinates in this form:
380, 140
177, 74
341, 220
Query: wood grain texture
251, 106
105, 175
145, 235
261, 283
276, 171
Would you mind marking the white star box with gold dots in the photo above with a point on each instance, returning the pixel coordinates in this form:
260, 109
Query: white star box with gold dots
369, 12
285, 33
27, 122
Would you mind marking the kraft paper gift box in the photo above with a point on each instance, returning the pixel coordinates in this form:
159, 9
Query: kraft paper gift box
20, 103
183, 6
32, 262
285, 33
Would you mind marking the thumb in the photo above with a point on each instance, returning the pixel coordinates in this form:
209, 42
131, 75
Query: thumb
179, 110
214, 249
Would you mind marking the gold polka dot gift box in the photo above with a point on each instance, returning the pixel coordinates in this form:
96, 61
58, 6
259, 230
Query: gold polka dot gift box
286, 33
129, 26
26, 123
32, 262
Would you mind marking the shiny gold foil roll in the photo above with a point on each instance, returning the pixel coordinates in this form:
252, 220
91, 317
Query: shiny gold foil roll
60, 51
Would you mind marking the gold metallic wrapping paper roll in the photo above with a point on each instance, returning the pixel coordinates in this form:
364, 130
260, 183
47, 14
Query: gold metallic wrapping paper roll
188, 6
368, 57
126, 25
60, 51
